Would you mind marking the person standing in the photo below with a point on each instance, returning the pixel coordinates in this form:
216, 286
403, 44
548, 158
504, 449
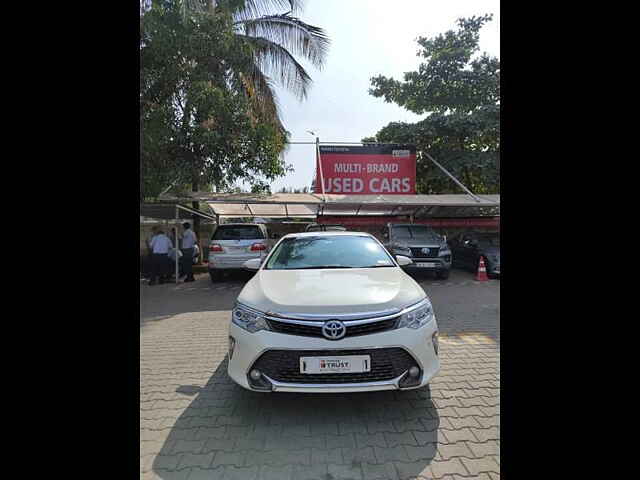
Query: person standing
148, 254
189, 241
160, 246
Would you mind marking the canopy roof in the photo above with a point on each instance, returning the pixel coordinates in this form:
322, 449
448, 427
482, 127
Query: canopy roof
312, 205
167, 211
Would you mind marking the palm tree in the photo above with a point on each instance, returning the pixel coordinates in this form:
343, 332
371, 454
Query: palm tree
275, 40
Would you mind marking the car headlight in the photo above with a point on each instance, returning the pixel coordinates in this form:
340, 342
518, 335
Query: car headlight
444, 250
417, 315
248, 319
402, 250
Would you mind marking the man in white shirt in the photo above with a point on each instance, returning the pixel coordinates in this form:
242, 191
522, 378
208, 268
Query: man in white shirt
160, 246
189, 241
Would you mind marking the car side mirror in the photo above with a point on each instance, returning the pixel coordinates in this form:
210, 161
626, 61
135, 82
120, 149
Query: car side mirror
253, 264
403, 261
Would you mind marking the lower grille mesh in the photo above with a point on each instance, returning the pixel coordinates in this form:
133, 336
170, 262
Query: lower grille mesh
284, 365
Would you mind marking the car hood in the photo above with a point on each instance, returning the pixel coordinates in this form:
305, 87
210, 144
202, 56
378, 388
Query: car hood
419, 242
490, 251
331, 291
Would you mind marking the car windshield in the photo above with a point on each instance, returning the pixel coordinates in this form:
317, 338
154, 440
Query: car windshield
412, 231
339, 251
489, 239
237, 232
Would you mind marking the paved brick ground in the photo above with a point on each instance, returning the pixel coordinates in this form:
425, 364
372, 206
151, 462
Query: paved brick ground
196, 424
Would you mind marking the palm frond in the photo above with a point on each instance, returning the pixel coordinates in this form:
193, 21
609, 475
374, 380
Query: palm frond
291, 33
190, 7
262, 95
276, 62
247, 9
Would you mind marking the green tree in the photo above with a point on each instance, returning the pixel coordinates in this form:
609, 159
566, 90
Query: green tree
275, 40
460, 92
208, 112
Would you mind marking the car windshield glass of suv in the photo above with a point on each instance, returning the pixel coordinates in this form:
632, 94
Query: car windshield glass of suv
238, 232
339, 251
414, 232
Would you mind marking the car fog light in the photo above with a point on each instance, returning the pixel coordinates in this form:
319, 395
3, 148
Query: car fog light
255, 374
434, 339
414, 371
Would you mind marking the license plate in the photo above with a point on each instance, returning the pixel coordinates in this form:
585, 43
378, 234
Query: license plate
341, 364
425, 264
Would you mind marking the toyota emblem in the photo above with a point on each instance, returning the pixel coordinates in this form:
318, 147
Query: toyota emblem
334, 330
425, 251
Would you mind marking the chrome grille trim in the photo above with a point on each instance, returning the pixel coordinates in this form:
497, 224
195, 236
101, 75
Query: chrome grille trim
283, 387
320, 317
319, 322
301, 319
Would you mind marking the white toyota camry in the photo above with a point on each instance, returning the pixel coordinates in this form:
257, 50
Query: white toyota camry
332, 312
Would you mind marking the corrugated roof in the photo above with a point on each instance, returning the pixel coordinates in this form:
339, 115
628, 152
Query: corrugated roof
167, 211
310, 205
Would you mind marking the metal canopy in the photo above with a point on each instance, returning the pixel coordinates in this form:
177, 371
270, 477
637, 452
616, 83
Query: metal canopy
167, 211
312, 205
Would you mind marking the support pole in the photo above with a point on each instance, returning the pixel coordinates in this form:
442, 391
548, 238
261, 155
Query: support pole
324, 199
176, 239
477, 199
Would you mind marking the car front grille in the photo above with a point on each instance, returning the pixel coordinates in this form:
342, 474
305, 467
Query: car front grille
313, 331
416, 252
284, 365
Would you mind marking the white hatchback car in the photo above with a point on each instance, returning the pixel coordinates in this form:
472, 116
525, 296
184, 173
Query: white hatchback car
332, 312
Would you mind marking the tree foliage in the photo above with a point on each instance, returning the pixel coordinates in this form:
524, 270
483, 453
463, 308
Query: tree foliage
460, 92
208, 112
294, 190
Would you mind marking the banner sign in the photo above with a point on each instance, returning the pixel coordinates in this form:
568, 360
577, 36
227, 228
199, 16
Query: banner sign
367, 169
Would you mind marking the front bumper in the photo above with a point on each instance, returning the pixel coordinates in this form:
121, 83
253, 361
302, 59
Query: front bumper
493, 268
421, 264
250, 346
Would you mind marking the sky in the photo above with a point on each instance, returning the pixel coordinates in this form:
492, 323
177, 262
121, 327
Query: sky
368, 38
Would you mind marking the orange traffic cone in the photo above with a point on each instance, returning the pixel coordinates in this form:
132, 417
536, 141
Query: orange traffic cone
481, 276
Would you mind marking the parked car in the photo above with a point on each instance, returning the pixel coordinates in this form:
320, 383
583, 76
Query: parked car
320, 227
232, 244
332, 312
427, 249
468, 247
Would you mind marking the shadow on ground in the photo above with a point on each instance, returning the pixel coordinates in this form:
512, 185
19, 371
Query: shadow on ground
229, 431
160, 302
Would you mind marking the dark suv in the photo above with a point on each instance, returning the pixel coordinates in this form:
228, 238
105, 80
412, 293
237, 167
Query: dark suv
468, 247
428, 250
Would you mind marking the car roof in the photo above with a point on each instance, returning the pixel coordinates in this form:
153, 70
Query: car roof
327, 234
